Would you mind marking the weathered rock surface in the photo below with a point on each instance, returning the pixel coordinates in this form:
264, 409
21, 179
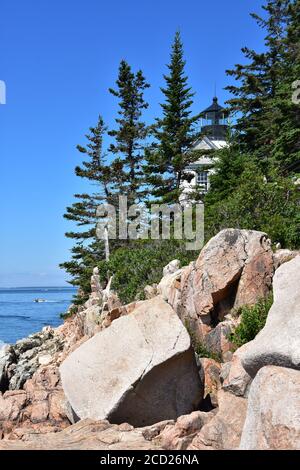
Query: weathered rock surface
278, 343
40, 407
211, 371
150, 291
224, 430
282, 256
217, 340
140, 370
273, 415
172, 267
168, 284
179, 435
234, 268
84, 435
21, 360
237, 380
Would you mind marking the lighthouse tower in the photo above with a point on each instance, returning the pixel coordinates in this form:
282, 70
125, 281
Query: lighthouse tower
214, 129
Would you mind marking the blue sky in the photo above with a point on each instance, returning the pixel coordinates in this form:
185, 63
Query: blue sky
58, 58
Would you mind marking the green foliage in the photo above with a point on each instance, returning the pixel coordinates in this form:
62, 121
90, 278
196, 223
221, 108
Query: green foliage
174, 132
69, 313
229, 164
129, 136
201, 351
271, 206
268, 124
87, 250
253, 319
141, 263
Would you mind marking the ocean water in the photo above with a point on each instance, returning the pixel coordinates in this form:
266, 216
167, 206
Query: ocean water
20, 315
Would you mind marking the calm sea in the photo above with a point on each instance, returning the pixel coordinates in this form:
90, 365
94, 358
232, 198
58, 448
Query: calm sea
20, 315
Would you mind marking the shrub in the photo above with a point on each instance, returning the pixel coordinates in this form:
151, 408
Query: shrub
253, 319
69, 313
256, 204
141, 263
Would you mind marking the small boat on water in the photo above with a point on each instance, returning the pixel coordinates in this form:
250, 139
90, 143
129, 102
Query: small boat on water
39, 301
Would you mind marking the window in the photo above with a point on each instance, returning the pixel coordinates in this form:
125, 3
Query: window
202, 180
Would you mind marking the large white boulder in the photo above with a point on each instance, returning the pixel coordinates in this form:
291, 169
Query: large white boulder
273, 415
278, 343
140, 370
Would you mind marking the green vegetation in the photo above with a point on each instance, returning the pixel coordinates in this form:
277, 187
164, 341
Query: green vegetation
253, 186
174, 133
69, 313
141, 263
253, 319
202, 351
271, 206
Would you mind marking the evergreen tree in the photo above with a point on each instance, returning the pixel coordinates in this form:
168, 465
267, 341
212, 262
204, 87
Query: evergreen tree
263, 92
287, 142
229, 164
128, 149
88, 250
174, 132
251, 187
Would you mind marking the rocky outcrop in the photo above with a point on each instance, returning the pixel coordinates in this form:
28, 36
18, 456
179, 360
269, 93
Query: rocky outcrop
22, 360
168, 284
179, 435
135, 364
224, 430
172, 267
211, 373
273, 419
282, 256
278, 343
85, 435
236, 380
217, 341
140, 370
234, 268
40, 407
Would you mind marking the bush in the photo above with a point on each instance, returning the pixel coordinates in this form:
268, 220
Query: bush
256, 204
253, 319
141, 263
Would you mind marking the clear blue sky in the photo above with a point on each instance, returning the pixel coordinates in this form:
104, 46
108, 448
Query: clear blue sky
58, 58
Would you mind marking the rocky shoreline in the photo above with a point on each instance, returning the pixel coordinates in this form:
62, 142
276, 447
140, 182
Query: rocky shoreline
129, 376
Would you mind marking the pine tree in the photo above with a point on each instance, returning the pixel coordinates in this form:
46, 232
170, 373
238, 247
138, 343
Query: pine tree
287, 142
127, 173
88, 250
174, 132
229, 164
251, 187
263, 92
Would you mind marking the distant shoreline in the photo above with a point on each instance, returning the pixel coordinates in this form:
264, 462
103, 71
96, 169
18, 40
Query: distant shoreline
39, 287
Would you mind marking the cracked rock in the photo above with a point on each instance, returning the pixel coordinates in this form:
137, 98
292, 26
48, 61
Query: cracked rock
234, 268
140, 370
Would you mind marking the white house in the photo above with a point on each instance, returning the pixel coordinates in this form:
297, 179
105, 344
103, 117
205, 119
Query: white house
214, 128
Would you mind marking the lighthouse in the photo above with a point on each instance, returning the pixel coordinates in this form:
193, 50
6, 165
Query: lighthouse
214, 136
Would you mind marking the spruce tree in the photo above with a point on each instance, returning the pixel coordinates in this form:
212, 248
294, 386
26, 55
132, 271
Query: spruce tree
130, 134
88, 250
287, 142
174, 132
258, 83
